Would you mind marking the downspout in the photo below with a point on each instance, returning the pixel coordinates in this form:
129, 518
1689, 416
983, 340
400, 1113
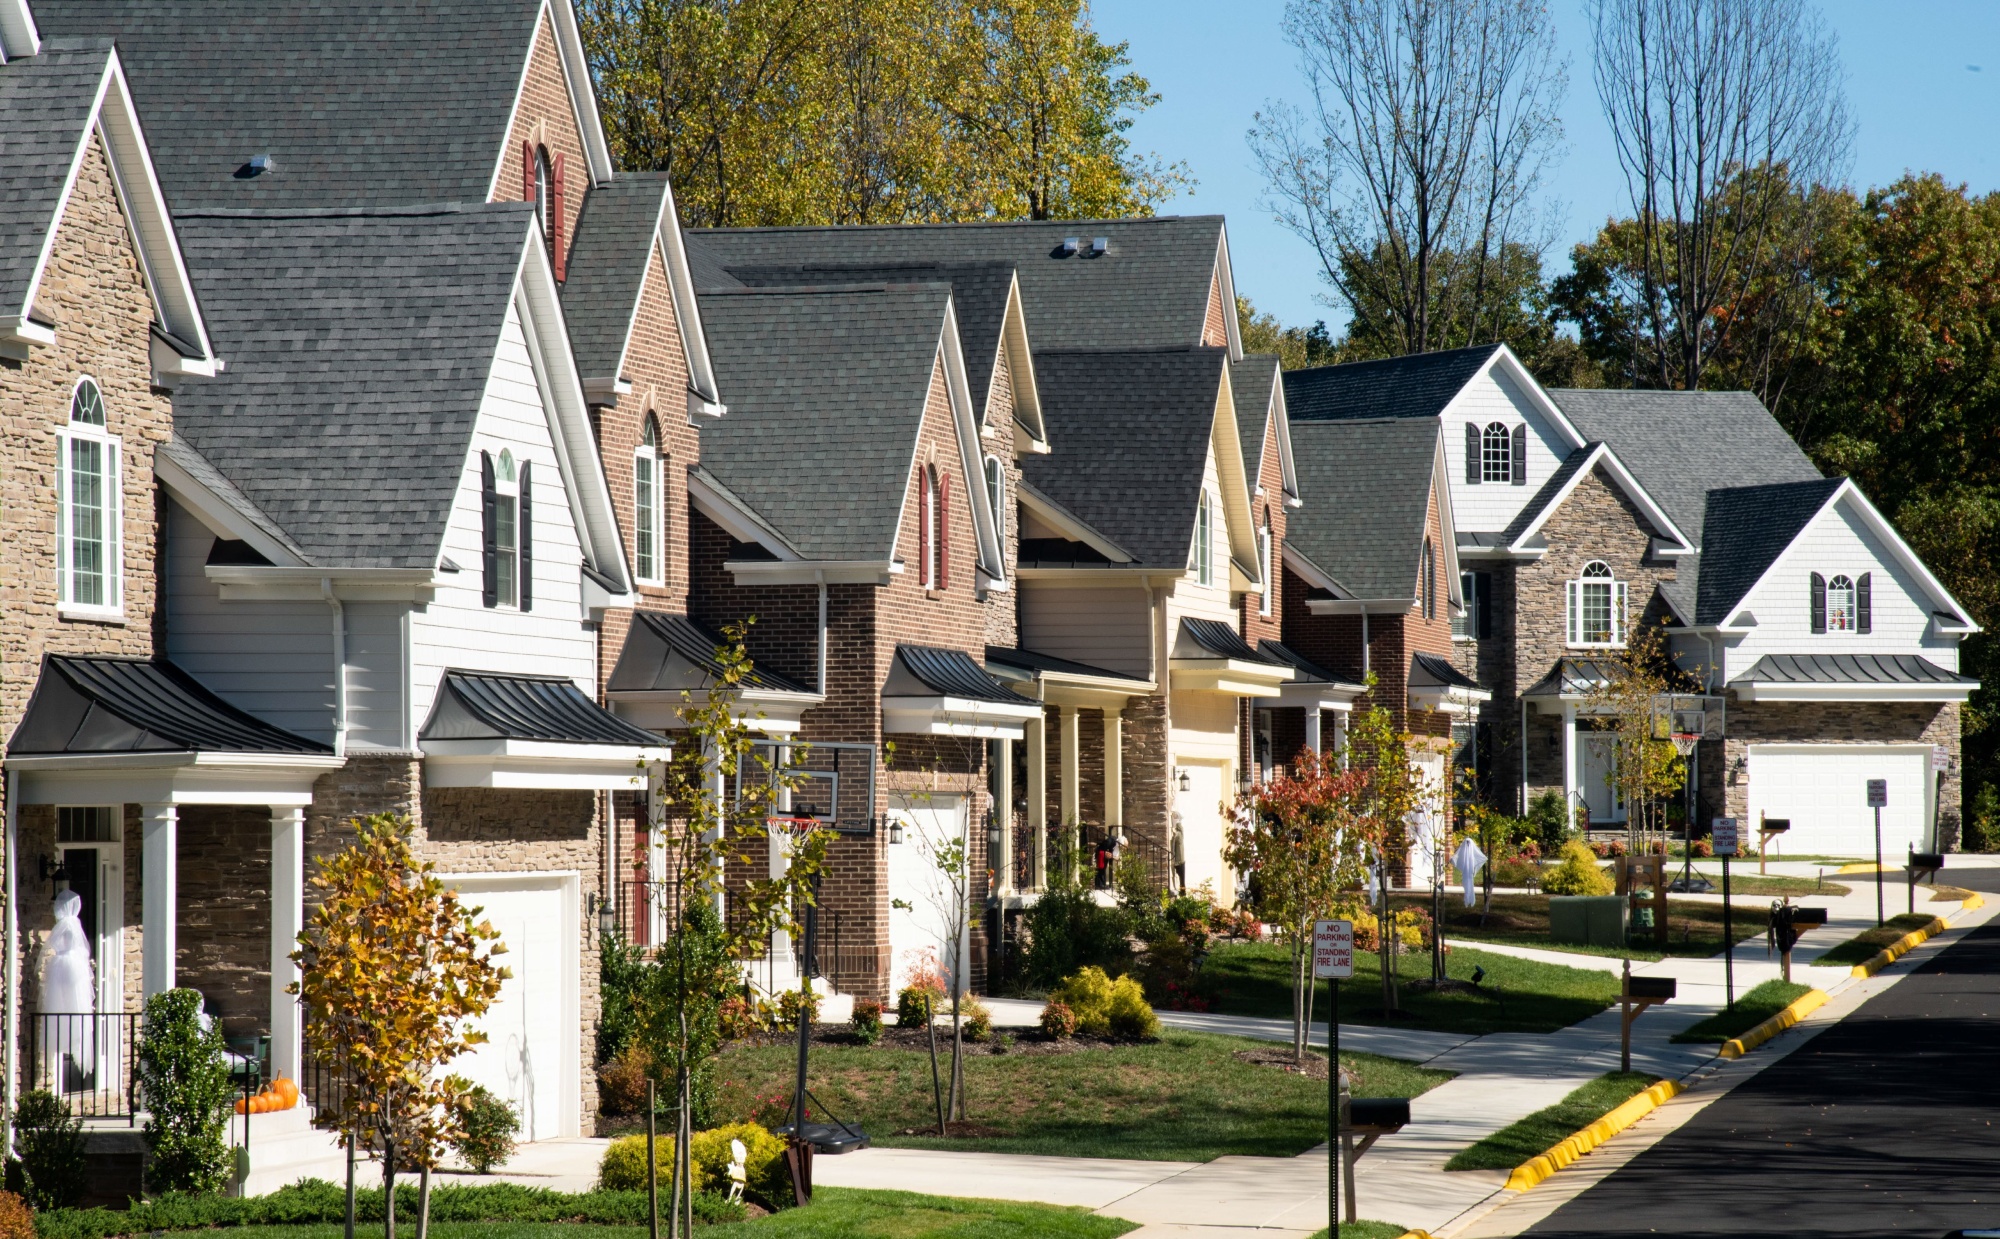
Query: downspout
339, 666
1364, 643
13, 968
1524, 757
820, 576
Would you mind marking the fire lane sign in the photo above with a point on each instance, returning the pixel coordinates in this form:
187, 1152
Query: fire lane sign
1333, 950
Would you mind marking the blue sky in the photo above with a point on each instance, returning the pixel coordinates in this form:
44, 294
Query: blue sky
1911, 86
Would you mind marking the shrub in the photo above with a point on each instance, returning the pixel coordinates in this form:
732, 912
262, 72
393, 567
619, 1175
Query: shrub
622, 974
1103, 1007
976, 1020
1703, 848
789, 1004
1068, 930
914, 1006
487, 1126
624, 1166
1617, 847
1548, 820
187, 1088
1130, 1017
1577, 873
50, 1140
867, 1021
621, 1083
737, 1017
17, 1221
1058, 1020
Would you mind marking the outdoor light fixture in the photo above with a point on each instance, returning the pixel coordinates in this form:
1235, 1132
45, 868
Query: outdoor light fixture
992, 835
1187, 784
607, 917
895, 830
53, 873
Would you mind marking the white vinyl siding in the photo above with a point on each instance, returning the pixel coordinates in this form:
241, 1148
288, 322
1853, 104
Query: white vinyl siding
1490, 507
1102, 627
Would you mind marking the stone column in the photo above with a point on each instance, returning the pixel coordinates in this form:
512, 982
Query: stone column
1003, 813
159, 901
1114, 770
288, 916
1038, 799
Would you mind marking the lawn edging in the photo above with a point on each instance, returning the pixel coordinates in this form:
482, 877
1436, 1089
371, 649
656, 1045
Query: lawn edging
1800, 1008
1900, 947
1623, 1115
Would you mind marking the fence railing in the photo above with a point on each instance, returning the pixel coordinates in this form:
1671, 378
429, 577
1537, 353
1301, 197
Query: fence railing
89, 1060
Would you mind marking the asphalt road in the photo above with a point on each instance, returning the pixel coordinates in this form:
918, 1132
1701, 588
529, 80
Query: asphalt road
1883, 1124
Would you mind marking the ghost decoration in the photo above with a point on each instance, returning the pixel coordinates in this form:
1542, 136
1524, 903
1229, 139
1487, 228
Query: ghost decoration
1468, 860
66, 986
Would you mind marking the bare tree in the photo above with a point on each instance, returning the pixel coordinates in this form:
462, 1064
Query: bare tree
1413, 169
1726, 115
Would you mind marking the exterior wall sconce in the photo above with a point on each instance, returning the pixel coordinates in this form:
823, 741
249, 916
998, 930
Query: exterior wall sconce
895, 830
1187, 784
607, 916
53, 872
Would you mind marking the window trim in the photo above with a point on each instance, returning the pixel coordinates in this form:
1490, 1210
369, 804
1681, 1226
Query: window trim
507, 501
1504, 461
112, 478
648, 518
1575, 598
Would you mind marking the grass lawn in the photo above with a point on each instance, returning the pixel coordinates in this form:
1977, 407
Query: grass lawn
1542, 1130
1186, 1097
1752, 1009
1365, 1229
1694, 929
1254, 978
1863, 947
1741, 883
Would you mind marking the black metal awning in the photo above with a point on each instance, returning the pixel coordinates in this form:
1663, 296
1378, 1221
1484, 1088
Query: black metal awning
484, 705
134, 705
1850, 669
952, 673
1308, 671
1433, 670
667, 652
1033, 665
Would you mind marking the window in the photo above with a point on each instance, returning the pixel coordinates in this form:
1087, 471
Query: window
1843, 604
1476, 624
1427, 582
934, 529
88, 552
648, 526
1840, 605
1596, 607
87, 824
996, 496
1201, 562
1264, 545
508, 495
542, 179
1496, 454
542, 184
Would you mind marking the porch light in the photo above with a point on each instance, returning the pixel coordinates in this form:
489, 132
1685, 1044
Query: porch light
607, 917
54, 873
895, 830
992, 835
1187, 784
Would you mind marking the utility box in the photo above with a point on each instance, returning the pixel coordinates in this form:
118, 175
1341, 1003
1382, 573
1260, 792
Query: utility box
1593, 920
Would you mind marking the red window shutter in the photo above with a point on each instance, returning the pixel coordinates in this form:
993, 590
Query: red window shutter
944, 531
556, 254
924, 529
527, 171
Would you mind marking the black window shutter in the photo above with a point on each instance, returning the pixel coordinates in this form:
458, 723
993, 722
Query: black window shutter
1483, 587
1818, 603
1519, 463
524, 533
489, 503
1472, 462
1864, 603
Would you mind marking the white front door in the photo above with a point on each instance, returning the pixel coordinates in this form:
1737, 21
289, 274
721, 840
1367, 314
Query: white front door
1822, 789
1202, 829
1598, 766
920, 894
531, 1056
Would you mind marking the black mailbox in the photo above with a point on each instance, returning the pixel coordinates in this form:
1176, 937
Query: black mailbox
1655, 989
1808, 918
1378, 1114
1776, 825
1932, 861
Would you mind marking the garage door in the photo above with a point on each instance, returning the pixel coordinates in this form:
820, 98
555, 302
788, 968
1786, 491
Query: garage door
918, 893
530, 1056
1202, 826
1823, 790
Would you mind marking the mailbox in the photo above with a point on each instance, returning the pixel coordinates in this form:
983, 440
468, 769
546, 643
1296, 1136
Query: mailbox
1775, 825
1932, 861
1808, 918
1651, 989
1379, 1115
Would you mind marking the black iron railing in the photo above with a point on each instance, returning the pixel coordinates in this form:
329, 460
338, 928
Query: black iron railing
91, 1061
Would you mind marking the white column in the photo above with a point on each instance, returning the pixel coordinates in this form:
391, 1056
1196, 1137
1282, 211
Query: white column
1570, 780
1003, 813
288, 917
1312, 730
1114, 770
159, 901
1038, 796
1071, 795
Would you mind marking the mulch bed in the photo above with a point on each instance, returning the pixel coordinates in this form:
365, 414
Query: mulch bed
1281, 1058
1020, 1041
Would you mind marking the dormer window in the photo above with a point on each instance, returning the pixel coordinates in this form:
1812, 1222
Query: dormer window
88, 527
508, 509
1202, 561
1843, 604
1596, 607
996, 497
543, 185
648, 516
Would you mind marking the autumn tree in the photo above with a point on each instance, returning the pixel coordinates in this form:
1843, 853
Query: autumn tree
393, 969
1628, 699
1384, 805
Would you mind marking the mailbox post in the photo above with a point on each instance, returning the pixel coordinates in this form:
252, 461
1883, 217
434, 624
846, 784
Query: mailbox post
1789, 923
1370, 1118
1636, 995
1926, 863
1767, 829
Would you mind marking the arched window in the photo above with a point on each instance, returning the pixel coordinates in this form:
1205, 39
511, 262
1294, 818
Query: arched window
1496, 453
544, 186
648, 508
1427, 582
996, 497
1596, 607
88, 524
507, 495
1841, 605
1265, 555
933, 529
1202, 559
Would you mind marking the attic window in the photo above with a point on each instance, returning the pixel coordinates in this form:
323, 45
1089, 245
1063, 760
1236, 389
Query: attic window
507, 498
1203, 558
1843, 604
647, 508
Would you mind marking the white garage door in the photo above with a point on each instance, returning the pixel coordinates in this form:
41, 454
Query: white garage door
917, 928
531, 1053
1823, 790
1200, 808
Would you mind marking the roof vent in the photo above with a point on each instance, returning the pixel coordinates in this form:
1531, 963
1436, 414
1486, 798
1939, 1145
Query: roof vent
1070, 246
1100, 246
260, 164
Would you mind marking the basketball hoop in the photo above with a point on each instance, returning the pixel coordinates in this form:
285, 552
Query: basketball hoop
1684, 742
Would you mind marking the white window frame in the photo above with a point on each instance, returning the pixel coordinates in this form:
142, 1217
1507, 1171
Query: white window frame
71, 436
648, 514
1264, 543
507, 515
1496, 466
1615, 598
1204, 541
927, 574
996, 495
1466, 627
1847, 622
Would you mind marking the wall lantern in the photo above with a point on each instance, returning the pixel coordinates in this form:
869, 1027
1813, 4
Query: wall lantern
992, 835
895, 830
1187, 784
53, 872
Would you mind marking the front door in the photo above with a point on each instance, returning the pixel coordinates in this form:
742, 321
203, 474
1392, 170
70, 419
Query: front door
920, 893
1598, 767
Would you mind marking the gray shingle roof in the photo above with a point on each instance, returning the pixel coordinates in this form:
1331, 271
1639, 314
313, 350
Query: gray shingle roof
607, 266
1849, 669
359, 101
1417, 386
46, 103
218, 484
1130, 433
1369, 484
827, 389
1150, 290
1251, 381
1748, 528
359, 345
704, 265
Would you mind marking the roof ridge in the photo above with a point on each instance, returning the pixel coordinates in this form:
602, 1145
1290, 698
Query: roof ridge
360, 212
965, 224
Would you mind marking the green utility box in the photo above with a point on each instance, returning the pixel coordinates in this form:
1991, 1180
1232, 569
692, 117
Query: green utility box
1595, 920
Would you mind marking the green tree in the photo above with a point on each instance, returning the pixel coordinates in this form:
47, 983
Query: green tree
1296, 347
186, 1084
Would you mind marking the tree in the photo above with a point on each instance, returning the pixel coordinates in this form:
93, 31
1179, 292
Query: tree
1429, 127
1727, 116
1384, 806
185, 1078
1295, 347
873, 111
1646, 768
392, 970
1298, 834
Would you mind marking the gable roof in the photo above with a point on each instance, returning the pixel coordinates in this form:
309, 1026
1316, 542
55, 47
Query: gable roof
1149, 290
52, 103
1524, 530
1370, 484
1749, 527
358, 102
1260, 414
361, 344
1420, 385
1131, 433
829, 385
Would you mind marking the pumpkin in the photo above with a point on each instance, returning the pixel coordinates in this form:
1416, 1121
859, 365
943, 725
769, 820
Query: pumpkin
239, 1106
287, 1091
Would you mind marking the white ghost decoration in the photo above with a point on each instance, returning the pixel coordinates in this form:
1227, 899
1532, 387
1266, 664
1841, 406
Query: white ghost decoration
1468, 860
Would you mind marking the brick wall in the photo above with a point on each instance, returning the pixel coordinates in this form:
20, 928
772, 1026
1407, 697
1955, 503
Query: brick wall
545, 116
1215, 324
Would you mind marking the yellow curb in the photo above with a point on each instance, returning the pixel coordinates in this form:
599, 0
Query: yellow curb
1899, 948
1415, 1234
1864, 867
1974, 900
1536, 1169
1806, 1004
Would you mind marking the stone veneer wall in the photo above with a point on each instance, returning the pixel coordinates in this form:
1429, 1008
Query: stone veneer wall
223, 931
1838, 722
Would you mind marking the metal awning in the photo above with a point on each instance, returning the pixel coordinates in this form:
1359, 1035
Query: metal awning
1313, 687
669, 659
488, 729
1211, 656
1573, 679
1437, 685
940, 692
1850, 677
1063, 681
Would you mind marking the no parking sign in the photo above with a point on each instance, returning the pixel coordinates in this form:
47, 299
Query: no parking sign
1333, 950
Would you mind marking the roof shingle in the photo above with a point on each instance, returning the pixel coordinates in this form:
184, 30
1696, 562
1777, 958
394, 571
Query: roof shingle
1370, 486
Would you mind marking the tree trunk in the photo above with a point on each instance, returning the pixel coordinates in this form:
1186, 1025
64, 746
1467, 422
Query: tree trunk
937, 1085
424, 1202
1299, 957
957, 1105
388, 1189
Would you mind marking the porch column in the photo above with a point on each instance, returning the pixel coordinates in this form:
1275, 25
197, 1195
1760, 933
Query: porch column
1340, 736
288, 917
1569, 762
1003, 813
1038, 799
1114, 770
1312, 730
1072, 780
159, 901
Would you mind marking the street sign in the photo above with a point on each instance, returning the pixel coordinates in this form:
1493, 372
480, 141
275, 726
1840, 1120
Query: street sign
1333, 950
1878, 793
1722, 836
